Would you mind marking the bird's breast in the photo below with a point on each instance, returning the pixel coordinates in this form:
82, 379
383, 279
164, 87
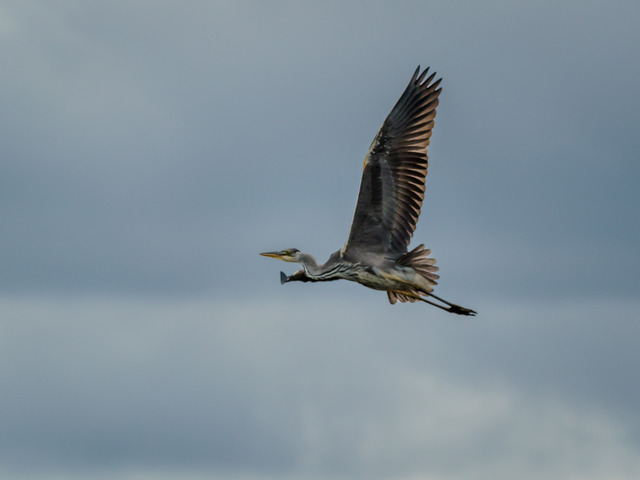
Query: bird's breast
377, 279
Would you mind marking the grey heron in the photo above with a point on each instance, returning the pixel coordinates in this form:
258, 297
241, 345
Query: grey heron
387, 210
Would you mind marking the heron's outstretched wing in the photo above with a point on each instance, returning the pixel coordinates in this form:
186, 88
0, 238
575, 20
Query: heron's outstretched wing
395, 170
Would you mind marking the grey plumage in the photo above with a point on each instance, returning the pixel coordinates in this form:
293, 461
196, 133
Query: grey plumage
395, 170
387, 210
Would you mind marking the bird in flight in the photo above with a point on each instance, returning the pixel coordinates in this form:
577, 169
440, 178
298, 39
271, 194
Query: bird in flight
387, 210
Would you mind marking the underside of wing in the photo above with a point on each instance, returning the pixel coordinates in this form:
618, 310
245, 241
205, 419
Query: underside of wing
395, 170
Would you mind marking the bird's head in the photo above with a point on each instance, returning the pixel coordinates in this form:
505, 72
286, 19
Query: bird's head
288, 255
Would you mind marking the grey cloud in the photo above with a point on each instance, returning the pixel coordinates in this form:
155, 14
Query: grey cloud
103, 385
150, 152
155, 136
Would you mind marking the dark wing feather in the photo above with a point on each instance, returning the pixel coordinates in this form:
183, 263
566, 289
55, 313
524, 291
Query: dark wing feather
395, 170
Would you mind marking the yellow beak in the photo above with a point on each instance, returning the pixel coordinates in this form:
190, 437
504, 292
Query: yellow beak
272, 254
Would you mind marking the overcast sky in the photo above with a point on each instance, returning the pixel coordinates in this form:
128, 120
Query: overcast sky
150, 150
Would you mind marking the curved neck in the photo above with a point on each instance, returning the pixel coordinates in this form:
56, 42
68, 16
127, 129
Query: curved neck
309, 262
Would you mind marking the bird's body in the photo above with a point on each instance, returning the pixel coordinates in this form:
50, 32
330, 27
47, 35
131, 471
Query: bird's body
375, 272
388, 207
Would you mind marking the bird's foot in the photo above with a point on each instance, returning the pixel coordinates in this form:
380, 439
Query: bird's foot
299, 276
461, 310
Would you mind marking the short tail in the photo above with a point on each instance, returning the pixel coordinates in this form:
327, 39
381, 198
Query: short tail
419, 260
